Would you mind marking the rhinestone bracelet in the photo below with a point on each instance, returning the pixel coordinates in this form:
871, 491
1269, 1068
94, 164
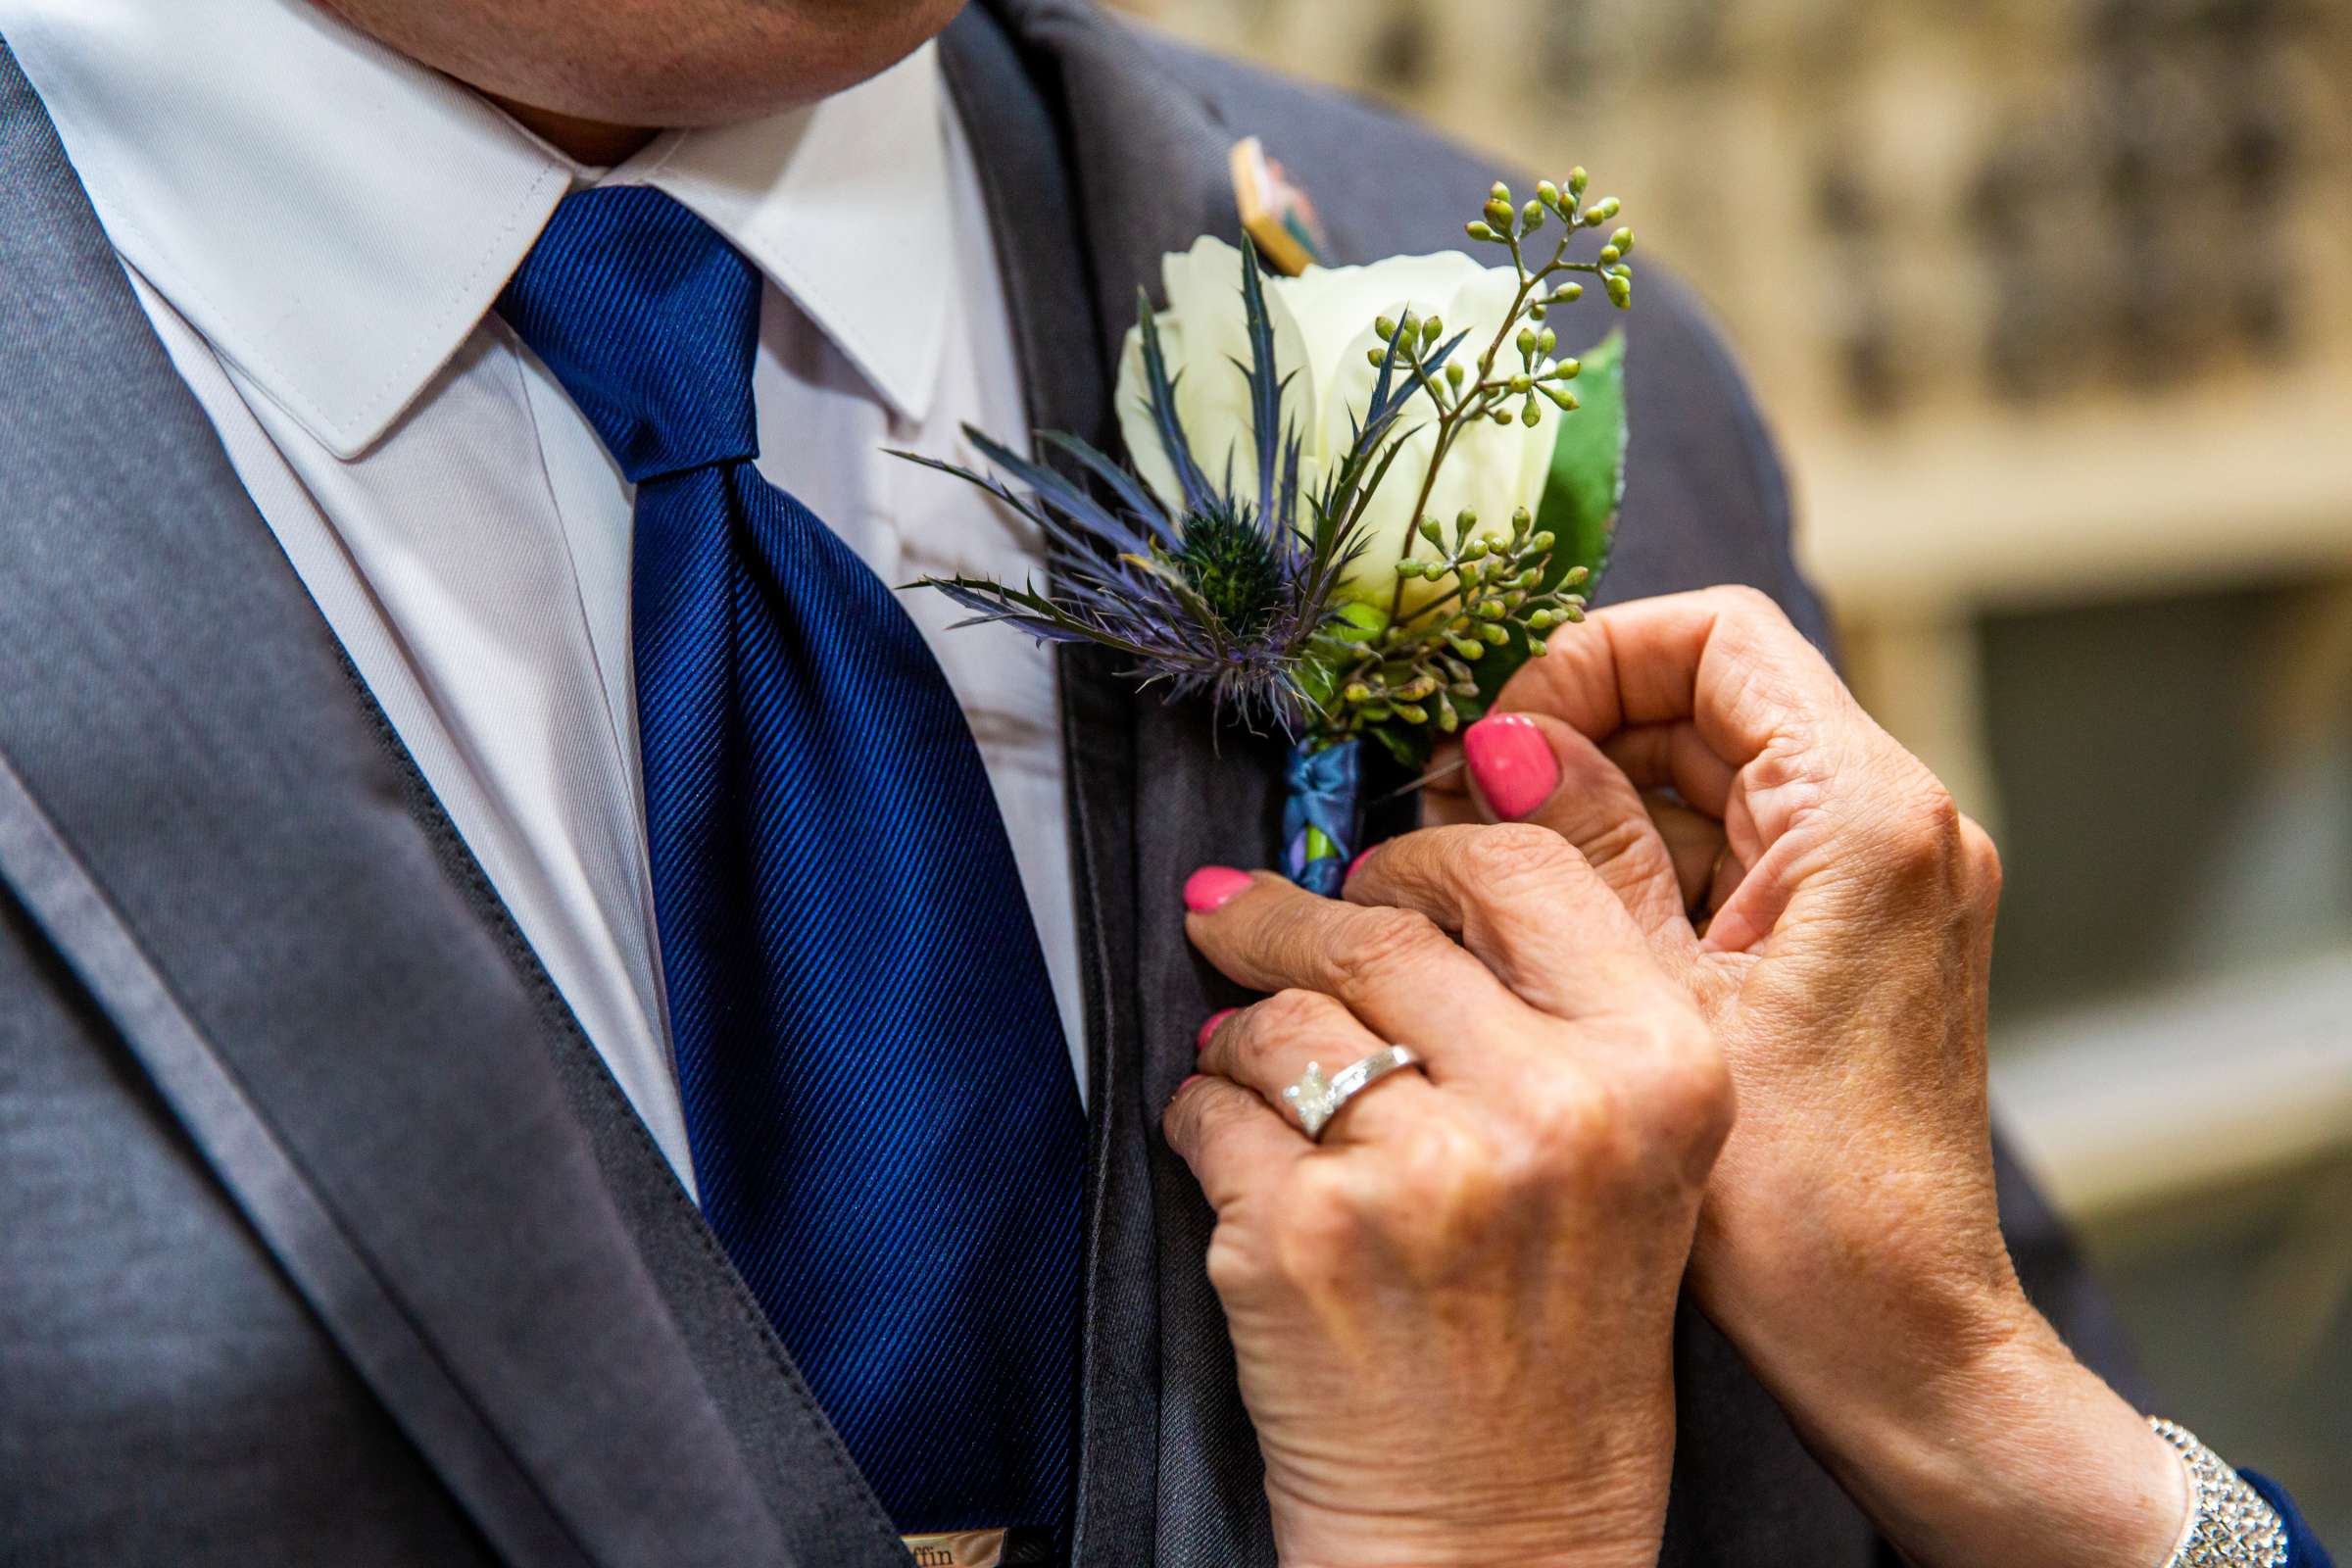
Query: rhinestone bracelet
2228, 1526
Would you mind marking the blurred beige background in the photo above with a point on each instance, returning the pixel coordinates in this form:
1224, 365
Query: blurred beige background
2051, 302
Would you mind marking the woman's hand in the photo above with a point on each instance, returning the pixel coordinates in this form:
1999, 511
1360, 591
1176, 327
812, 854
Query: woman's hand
1851, 1244
1454, 1316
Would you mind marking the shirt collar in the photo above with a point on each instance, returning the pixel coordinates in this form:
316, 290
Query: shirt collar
335, 219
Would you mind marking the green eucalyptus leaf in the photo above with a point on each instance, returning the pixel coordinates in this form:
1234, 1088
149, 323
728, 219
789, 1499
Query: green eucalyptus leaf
1587, 487
1336, 648
1358, 622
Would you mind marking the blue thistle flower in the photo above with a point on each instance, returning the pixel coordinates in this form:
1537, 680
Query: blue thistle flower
1235, 597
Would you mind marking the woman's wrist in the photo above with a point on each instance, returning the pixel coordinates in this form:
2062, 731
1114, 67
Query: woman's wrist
1480, 1549
2016, 1454
1565, 1527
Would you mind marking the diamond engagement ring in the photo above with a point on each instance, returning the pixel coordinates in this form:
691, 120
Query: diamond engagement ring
1318, 1098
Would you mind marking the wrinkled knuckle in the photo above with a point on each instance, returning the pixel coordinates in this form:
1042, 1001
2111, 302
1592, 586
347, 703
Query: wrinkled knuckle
1925, 831
1517, 855
1383, 940
1748, 603
1180, 1123
1437, 1155
1621, 835
1319, 1228
1680, 1034
1236, 1270
1285, 1019
1935, 817
1690, 1101
1448, 1187
1567, 1124
1197, 1120
1984, 859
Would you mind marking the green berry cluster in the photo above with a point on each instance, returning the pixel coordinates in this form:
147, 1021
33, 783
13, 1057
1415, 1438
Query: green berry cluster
1517, 373
1419, 670
1508, 226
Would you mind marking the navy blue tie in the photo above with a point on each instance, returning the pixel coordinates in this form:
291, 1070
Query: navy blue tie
885, 1127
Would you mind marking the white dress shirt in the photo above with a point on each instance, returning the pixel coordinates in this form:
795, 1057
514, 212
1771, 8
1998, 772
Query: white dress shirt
317, 228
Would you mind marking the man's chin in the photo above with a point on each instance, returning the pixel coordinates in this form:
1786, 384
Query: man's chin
654, 63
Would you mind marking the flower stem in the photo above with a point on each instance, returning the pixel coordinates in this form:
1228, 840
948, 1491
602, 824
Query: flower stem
1477, 400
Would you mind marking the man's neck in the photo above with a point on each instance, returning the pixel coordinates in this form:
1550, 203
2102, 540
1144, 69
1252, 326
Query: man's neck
586, 141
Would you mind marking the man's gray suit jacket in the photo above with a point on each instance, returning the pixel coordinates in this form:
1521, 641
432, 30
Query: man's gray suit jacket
326, 1237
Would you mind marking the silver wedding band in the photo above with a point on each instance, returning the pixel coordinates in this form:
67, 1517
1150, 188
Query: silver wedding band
1317, 1099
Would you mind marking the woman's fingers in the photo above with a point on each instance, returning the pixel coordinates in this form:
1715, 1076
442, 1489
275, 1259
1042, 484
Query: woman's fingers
1716, 695
1679, 780
1726, 663
1695, 843
1391, 967
1232, 1138
1725, 658
1531, 767
1530, 907
1676, 757
1269, 1046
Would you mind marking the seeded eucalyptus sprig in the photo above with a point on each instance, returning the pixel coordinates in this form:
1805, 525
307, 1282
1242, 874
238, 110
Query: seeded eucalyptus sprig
1500, 593
1459, 398
1419, 670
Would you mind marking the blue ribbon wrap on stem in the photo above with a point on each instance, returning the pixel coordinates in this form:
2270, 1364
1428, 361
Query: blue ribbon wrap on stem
1319, 815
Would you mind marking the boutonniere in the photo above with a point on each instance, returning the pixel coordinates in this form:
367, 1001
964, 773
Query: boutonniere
1356, 500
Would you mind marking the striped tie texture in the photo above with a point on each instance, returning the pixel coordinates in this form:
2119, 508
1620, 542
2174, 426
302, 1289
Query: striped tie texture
885, 1128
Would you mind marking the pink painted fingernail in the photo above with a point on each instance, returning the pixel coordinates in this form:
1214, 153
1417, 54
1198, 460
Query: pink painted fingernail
1356, 865
1209, 1028
1512, 764
1212, 887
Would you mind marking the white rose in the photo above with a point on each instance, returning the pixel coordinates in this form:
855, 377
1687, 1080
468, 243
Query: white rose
1322, 322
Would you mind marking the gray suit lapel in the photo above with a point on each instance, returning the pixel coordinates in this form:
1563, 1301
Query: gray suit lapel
1170, 1454
1147, 156
224, 841
1044, 254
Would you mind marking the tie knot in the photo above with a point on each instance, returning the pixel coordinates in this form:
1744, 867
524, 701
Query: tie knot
649, 320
